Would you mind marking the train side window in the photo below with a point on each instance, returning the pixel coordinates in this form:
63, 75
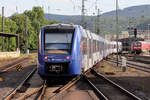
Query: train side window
81, 45
98, 45
84, 46
101, 47
94, 46
90, 48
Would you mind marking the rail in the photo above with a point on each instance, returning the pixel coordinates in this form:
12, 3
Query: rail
110, 84
131, 65
13, 92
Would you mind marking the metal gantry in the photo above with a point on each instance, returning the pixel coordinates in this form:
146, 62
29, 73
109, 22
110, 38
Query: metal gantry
83, 13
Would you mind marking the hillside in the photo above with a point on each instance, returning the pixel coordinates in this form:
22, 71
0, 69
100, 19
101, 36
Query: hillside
132, 11
137, 16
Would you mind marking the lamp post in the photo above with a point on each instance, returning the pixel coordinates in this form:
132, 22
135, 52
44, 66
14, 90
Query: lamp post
117, 28
148, 31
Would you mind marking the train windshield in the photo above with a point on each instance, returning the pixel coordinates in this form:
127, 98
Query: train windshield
137, 44
58, 42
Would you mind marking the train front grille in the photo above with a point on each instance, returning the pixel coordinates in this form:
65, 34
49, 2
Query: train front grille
57, 68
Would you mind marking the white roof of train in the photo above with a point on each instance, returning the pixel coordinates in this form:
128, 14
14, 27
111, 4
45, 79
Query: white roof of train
86, 32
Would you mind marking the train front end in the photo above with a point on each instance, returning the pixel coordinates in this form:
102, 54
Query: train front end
137, 47
55, 53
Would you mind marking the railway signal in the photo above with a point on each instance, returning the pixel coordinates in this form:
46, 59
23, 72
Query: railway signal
1, 79
135, 32
19, 68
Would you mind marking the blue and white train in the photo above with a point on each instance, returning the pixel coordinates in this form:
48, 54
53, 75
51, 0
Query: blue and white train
67, 50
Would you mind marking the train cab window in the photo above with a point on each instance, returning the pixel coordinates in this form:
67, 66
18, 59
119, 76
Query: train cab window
137, 44
58, 41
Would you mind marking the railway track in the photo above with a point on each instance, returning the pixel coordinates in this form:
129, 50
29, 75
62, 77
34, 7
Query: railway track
63, 89
104, 88
55, 92
107, 89
45, 91
14, 64
21, 86
49, 91
131, 64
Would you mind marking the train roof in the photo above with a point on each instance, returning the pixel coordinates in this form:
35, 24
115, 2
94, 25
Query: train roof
60, 26
84, 33
89, 34
143, 41
95, 36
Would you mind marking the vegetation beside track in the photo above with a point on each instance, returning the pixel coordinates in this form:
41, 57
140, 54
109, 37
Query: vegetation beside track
16, 23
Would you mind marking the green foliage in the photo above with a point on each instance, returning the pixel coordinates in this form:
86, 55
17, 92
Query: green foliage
34, 18
10, 27
20, 21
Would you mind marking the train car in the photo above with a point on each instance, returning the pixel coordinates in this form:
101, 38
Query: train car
114, 47
140, 46
66, 50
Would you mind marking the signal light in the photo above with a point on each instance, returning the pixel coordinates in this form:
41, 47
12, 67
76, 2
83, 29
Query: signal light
68, 57
45, 57
135, 32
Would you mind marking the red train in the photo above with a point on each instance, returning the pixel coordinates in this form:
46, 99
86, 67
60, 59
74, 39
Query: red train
140, 46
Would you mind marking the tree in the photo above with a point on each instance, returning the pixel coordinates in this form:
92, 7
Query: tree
35, 20
10, 27
20, 21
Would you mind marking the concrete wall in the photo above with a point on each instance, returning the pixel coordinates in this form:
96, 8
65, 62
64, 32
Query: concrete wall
13, 54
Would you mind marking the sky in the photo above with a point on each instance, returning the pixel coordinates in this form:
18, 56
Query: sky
67, 7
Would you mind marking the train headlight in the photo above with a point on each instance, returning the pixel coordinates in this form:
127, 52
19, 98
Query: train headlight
68, 57
45, 57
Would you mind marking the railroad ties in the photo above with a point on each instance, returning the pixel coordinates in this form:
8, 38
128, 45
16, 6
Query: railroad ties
107, 89
89, 85
17, 64
32, 87
132, 64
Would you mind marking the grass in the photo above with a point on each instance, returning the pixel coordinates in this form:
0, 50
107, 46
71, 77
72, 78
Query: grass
1, 59
142, 86
33, 58
106, 68
21, 56
145, 52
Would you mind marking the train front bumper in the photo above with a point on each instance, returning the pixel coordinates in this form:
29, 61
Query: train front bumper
58, 66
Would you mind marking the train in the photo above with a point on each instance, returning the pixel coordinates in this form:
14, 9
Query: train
140, 46
67, 50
